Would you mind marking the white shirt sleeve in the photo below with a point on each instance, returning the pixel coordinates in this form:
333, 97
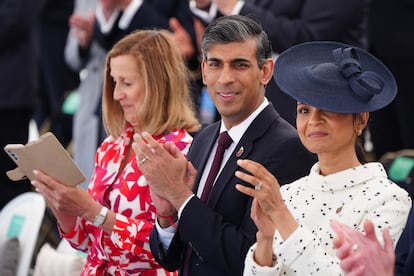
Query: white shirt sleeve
165, 234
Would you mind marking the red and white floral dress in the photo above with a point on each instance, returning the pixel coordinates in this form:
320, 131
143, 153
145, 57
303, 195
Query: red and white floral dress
126, 250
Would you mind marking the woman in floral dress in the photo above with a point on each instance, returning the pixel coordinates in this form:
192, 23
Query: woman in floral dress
145, 88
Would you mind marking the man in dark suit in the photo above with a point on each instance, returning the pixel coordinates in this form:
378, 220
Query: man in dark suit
236, 67
404, 250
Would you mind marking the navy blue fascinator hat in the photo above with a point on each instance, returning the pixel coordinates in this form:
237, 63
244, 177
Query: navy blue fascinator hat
335, 77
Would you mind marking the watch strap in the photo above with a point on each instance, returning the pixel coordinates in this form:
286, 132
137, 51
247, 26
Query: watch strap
100, 218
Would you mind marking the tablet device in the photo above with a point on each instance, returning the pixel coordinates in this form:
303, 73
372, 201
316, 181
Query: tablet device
47, 155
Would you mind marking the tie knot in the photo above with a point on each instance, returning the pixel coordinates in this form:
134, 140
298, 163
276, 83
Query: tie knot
225, 140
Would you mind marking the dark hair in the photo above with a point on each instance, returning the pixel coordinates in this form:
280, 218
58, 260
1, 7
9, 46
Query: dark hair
359, 149
359, 143
237, 28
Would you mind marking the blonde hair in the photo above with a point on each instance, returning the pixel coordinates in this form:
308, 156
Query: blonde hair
167, 104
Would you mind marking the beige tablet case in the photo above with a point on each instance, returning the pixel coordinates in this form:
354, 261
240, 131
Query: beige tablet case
45, 154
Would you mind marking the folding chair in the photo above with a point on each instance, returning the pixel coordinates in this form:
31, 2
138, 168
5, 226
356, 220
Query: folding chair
22, 218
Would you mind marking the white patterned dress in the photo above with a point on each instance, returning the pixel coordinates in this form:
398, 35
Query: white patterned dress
350, 197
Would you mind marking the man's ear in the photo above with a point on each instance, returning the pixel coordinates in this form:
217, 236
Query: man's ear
203, 65
267, 70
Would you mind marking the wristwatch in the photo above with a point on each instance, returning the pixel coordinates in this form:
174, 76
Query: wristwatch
100, 218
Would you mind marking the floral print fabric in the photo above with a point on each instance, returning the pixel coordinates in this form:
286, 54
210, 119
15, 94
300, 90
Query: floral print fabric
126, 250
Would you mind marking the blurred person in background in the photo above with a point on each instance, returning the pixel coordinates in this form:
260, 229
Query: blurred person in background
56, 79
361, 253
86, 57
390, 31
18, 78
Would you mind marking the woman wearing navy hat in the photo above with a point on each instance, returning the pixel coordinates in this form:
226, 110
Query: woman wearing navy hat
335, 86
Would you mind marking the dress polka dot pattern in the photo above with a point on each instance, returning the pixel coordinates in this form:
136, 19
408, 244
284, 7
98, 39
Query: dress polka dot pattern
350, 197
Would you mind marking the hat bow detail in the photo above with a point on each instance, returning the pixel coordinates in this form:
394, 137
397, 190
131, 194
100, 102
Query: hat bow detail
364, 84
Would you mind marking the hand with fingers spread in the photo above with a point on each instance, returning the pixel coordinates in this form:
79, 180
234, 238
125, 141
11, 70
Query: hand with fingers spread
362, 254
268, 211
266, 199
182, 38
166, 169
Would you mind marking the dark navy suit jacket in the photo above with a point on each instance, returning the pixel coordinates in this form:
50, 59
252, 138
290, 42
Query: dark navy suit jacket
404, 251
221, 231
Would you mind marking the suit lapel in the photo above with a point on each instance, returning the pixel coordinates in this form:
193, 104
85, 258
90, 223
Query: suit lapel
256, 130
200, 155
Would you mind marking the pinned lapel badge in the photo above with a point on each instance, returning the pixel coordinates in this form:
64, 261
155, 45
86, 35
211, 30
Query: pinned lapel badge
240, 151
339, 209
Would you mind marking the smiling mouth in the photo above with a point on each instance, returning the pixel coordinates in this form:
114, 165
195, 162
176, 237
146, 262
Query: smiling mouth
317, 134
227, 95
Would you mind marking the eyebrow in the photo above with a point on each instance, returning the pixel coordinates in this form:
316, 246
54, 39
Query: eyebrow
232, 61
